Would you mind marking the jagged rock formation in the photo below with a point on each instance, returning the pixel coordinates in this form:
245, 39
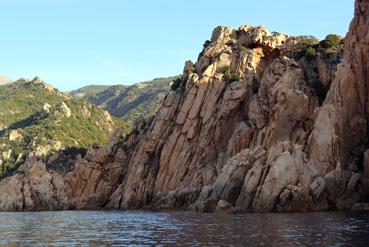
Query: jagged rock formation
243, 130
64, 181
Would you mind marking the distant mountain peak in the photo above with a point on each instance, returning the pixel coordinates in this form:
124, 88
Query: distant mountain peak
37, 80
4, 80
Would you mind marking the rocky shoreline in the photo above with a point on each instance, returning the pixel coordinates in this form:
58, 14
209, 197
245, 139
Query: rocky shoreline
243, 130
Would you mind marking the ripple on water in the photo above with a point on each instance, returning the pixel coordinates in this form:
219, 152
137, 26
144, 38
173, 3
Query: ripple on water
119, 228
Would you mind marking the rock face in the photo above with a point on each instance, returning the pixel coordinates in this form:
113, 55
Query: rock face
63, 110
243, 130
61, 182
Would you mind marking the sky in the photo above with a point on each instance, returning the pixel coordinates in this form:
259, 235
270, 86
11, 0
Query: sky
72, 43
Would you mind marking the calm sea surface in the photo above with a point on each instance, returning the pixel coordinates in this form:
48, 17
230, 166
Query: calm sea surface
140, 228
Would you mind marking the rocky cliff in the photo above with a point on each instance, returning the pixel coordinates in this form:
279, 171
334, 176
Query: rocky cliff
251, 126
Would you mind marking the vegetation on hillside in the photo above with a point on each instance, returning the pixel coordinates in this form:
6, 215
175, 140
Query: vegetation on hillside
309, 47
89, 91
308, 50
131, 103
228, 75
36, 119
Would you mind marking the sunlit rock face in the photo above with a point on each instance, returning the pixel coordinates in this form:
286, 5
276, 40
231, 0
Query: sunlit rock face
243, 130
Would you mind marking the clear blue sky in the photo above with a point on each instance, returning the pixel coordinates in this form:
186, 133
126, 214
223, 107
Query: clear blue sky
71, 43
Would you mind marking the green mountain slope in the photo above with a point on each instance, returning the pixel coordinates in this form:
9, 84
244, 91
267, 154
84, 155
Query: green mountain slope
90, 90
36, 119
130, 103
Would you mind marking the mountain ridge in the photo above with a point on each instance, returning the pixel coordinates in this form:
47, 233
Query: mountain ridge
129, 102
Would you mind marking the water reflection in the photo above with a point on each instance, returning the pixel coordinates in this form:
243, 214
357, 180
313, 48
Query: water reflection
116, 228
